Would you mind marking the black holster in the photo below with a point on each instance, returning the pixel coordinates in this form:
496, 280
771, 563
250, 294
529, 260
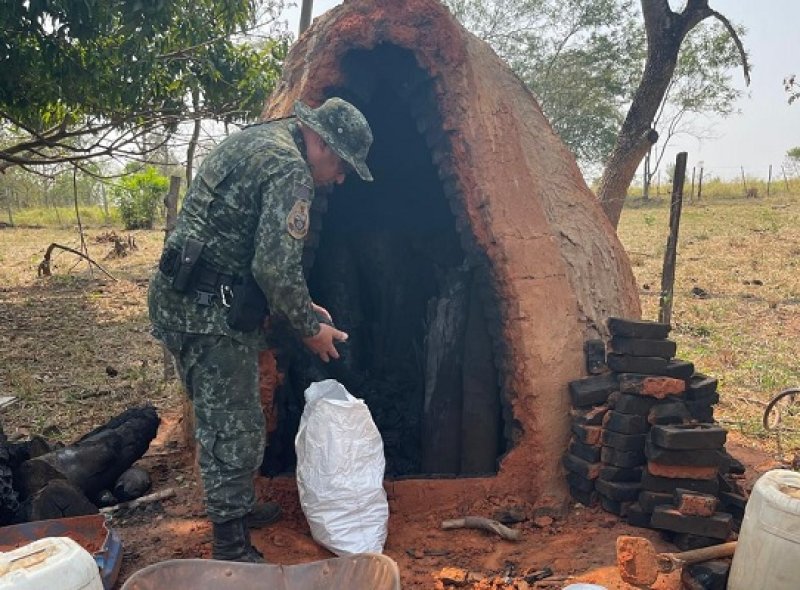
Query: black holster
185, 268
248, 305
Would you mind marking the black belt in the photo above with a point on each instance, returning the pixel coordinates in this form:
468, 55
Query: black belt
206, 282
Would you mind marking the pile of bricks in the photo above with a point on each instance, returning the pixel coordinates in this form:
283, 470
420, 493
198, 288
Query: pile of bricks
645, 444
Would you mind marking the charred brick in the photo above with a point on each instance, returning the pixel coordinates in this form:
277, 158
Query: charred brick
620, 491
695, 457
669, 485
585, 498
717, 526
626, 423
614, 506
637, 516
613, 473
649, 500
642, 347
626, 403
701, 385
669, 413
688, 436
589, 435
679, 369
595, 352
581, 467
648, 365
592, 391
617, 458
651, 385
590, 453
580, 483
589, 416
623, 442
637, 328
709, 575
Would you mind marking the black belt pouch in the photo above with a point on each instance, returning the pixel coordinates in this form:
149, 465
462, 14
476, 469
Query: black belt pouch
248, 305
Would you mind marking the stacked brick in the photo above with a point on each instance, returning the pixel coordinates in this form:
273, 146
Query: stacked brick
645, 445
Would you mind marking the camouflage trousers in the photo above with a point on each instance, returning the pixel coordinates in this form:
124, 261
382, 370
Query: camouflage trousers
220, 375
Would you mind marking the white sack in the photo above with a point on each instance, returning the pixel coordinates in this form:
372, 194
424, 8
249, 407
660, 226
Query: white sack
340, 468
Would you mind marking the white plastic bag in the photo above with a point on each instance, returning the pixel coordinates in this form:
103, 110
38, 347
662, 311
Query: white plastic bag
340, 468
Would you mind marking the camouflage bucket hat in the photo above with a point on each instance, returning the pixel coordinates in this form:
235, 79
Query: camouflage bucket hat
343, 128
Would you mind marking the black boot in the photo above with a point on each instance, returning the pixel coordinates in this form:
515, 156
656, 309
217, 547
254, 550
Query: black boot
232, 542
262, 515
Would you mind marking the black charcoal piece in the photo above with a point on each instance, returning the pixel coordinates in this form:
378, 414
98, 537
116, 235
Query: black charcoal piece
623, 442
617, 458
647, 365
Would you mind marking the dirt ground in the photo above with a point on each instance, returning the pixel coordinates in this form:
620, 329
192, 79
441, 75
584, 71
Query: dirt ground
76, 350
577, 544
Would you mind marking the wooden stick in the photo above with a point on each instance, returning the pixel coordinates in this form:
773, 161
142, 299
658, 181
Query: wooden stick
486, 524
148, 499
44, 265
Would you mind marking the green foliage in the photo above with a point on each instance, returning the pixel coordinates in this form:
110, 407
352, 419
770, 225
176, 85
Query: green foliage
138, 196
72, 69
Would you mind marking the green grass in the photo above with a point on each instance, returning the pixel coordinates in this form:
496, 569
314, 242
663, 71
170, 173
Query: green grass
61, 217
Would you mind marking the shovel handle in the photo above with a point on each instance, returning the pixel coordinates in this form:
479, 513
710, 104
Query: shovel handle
667, 562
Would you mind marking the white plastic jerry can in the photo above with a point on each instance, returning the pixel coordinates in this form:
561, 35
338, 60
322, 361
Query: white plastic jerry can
768, 552
56, 563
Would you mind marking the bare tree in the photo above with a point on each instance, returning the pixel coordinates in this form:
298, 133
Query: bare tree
666, 29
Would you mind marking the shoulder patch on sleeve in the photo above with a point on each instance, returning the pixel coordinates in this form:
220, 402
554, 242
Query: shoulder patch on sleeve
297, 221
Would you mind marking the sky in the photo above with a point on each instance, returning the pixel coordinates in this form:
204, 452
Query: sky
766, 126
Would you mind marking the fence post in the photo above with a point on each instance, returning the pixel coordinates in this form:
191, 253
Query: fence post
786, 180
668, 272
691, 197
769, 178
700, 185
744, 183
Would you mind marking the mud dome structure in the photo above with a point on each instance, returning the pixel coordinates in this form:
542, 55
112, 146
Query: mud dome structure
468, 275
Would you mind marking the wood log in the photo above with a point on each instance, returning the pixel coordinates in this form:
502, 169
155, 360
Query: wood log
96, 461
444, 353
480, 422
57, 499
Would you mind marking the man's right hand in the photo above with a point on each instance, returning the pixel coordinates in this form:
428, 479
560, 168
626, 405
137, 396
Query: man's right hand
322, 343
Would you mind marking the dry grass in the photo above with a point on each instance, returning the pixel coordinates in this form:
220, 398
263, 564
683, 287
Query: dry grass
62, 336
76, 347
743, 253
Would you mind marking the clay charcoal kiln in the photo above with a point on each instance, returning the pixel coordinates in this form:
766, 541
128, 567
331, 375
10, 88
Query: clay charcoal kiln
468, 275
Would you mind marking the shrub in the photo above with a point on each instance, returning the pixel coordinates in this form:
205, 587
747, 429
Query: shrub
138, 196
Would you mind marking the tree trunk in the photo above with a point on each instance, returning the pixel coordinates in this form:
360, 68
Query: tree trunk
193, 141
665, 33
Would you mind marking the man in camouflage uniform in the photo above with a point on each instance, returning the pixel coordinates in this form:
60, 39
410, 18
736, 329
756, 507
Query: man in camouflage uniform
248, 209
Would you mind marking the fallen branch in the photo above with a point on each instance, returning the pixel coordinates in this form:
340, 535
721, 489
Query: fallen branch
44, 266
486, 524
148, 499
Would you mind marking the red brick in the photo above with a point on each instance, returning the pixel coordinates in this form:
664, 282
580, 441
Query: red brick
693, 504
682, 471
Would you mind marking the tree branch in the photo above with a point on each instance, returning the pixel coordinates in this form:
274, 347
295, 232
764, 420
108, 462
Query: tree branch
739, 45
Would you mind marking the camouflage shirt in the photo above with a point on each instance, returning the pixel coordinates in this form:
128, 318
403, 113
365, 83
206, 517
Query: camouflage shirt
249, 204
